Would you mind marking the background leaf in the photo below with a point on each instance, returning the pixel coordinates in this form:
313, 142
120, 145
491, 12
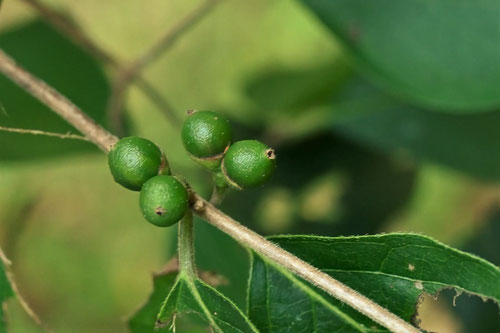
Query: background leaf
81, 80
465, 142
436, 52
5, 293
393, 270
193, 295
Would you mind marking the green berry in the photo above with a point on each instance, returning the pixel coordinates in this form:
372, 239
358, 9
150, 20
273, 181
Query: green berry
206, 135
248, 163
133, 160
163, 200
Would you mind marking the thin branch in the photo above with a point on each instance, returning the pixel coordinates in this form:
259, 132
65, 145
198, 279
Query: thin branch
38, 132
67, 27
57, 102
128, 75
24, 304
217, 218
171, 37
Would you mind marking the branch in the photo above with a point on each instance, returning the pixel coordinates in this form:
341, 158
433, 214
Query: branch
38, 132
171, 36
215, 217
26, 307
57, 102
65, 26
128, 75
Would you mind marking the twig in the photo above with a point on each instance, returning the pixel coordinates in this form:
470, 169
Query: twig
61, 23
57, 102
217, 218
38, 132
24, 304
171, 36
128, 75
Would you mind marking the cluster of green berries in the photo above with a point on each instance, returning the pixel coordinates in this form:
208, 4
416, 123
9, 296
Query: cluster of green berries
207, 136
139, 165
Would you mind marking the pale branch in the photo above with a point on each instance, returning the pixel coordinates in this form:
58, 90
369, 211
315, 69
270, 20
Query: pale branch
13, 285
205, 210
289, 261
45, 133
68, 28
57, 102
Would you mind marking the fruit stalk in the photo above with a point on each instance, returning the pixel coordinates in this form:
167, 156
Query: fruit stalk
186, 245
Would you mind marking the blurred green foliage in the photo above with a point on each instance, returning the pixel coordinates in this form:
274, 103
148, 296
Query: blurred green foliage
439, 53
355, 155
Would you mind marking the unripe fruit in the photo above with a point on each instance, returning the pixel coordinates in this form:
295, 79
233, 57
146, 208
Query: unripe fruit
206, 135
248, 163
133, 160
163, 200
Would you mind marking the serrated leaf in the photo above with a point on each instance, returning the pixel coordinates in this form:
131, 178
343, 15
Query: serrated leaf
52, 57
468, 143
5, 293
436, 52
193, 295
393, 270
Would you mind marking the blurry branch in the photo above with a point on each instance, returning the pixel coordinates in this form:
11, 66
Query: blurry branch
170, 37
129, 74
68, 28
26, 307
16, 220
38, 132
208, 212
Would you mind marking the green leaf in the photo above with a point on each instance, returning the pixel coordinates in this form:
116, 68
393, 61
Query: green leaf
393, 270
440, 53
5, 293
193, 295
469, 143
71, 71
145, 318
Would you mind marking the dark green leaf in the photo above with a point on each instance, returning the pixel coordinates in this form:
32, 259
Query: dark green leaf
5, 293
192, 295
393, 270
436, 52
469, 142
52, 57
145, 318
